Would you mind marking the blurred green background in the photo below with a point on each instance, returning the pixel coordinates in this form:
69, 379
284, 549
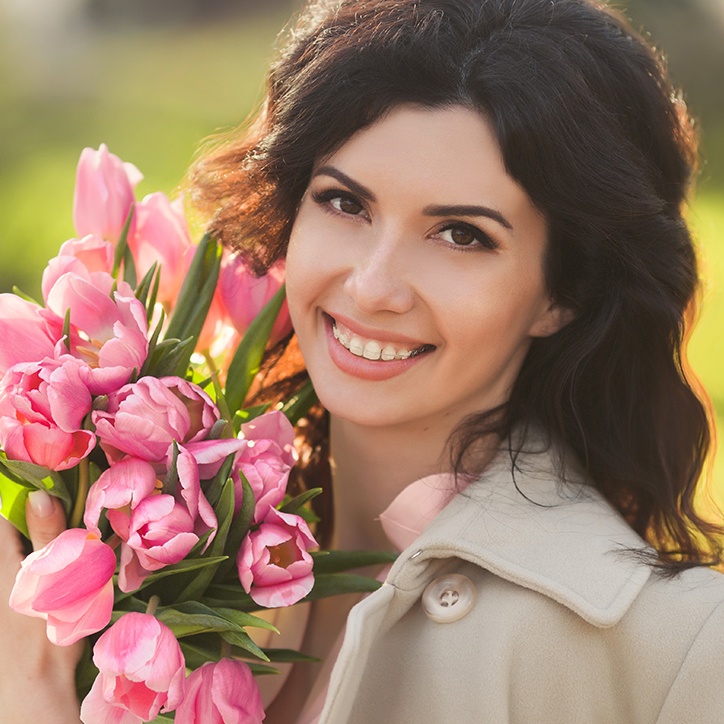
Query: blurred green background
152, 78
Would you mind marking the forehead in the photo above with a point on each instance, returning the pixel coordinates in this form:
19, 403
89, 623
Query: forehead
446, 155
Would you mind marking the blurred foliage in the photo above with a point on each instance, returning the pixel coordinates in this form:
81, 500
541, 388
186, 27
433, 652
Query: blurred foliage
690, 33
152, 79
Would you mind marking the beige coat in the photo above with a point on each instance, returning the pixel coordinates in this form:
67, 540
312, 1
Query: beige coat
566, 626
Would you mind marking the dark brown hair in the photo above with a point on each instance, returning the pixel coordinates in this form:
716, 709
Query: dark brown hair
590, 126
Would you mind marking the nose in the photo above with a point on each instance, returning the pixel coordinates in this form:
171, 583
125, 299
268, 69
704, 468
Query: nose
379, 278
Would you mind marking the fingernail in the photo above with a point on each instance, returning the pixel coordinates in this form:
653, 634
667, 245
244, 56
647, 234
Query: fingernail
41, 504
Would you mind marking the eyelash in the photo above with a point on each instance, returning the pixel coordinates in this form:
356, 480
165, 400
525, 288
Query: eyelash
484, 241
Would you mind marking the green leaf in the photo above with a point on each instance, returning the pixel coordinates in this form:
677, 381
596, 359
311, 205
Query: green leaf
66, 330
220, 595
299, 405
123, 254
215, 486
339, 561
295, 504
85, 672
170, 481
243, 641
207, 647
248, 414
247, 359
197, 650
188, 624
129, 604
151, 301
289, 656
258, 669
333, 584
12, 503
152, 344
36, 477
238, 530
145, 285
243, 619
225, 515
192, 618
169, 357
20, 293
197, 292
185, 566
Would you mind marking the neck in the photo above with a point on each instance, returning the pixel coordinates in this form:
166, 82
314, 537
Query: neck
370, 466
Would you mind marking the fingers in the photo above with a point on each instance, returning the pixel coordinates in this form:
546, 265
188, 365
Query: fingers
45, 517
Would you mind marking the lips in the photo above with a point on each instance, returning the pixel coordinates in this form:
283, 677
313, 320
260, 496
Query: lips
377, 357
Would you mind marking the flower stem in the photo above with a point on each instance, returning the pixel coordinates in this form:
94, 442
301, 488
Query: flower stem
152, 605
225, 649
220, 399
81, 494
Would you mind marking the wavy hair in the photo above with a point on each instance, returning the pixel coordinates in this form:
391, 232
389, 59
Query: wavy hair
590, 126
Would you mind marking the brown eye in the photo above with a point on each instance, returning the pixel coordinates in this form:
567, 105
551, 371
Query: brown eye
466, 235
347, 205
461, 236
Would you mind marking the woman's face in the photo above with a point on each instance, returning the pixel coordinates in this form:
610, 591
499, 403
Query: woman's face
415, 271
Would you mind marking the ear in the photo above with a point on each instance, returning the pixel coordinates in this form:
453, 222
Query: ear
552, 320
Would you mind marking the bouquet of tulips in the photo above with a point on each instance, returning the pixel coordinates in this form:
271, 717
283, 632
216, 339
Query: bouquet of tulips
122, 395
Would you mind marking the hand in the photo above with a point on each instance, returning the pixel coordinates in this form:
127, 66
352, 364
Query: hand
37, 678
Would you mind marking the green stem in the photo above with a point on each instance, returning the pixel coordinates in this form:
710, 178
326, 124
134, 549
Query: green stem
220, 399
225, 649
152, 605
81, 494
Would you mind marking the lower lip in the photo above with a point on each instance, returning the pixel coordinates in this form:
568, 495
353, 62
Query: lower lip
361, 367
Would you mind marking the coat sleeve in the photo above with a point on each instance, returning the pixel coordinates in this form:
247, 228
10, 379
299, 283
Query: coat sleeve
697, 693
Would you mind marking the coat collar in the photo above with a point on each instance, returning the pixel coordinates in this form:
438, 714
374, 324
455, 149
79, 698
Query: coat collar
527, 522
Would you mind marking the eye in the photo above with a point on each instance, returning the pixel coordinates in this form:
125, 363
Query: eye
466, 236
341, 202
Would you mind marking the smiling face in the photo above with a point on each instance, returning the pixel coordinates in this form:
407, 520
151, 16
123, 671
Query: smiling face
415, 272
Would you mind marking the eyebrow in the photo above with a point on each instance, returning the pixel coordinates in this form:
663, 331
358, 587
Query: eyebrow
431, 210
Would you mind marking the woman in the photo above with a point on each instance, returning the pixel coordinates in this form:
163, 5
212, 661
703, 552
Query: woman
489, 276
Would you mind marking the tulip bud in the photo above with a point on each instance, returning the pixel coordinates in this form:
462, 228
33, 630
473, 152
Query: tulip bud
244, 295
142, 672
103, 193
69, 584
275, 567
221, 693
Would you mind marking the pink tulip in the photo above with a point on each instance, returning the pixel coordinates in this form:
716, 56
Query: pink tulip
275, 567
109, 333
158, 529
120, 488
221, 693
42, 407
244, 295
145, 418
217, 334
103, 193
142, 672
27, 333
266, 459
69, 584
85, 256
161, 236
160, 533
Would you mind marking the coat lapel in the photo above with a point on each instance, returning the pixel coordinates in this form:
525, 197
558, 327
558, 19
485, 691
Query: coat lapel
524, 523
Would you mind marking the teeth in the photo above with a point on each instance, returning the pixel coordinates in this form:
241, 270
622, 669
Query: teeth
356, 345
388, 353
371, 349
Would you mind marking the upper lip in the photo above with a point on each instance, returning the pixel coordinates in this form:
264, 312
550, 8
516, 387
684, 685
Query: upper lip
380, 335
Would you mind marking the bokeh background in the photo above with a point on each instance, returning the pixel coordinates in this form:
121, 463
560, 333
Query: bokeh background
152, 78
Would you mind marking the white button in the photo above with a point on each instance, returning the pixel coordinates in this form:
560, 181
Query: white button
448, 598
